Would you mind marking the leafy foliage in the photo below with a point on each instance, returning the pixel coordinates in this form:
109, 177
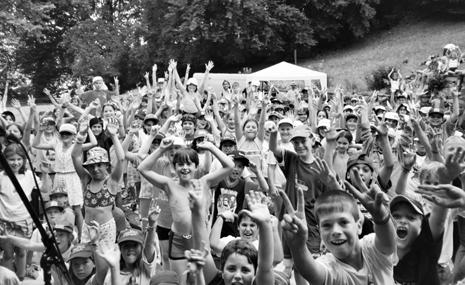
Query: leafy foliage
378, 79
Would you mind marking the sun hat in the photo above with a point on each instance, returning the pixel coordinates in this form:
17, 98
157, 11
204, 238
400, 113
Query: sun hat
69, 128
416, 205
131, 235
96, 155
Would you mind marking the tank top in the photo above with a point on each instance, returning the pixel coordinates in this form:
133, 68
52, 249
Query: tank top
102, 198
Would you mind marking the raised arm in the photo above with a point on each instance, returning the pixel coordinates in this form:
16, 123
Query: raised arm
382, 138
112, 129
37, 144
149, 244
28, 127
261, 121
406, 161
216, 113
145, 167
237, 119
208, 67
186, 75
76, 155
261, 216
296, 233
273, 144
214, 178
17, 105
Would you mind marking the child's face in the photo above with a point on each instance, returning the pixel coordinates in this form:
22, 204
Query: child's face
188, 127
185, 171
407, 223
248, 229
64, 240
96, 129
351, 124
342, 145
238, 270
302, 146
53, 214
15, 162
82, 267
237, 170
365, 173
61, 199
285, 132
250, 130
451, 147
339, 231
14, 130
108, 112
130, 251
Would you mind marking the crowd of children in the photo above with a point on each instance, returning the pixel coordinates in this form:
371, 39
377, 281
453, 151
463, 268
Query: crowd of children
176, 183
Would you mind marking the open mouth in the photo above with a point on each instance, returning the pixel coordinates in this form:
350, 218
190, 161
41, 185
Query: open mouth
338, 242
185, 172
401, 232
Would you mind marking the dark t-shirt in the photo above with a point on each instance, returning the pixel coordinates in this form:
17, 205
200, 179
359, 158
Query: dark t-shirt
296, 169
419, 265
229, 197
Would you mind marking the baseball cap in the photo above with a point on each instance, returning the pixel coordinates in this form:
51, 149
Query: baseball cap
161, 80
240, 156
68, 128
63, 225
275, 114
228, 138
324, 123
301, 132
351, 116
424, 110
416, 205
436, 111
192, 81
360, 158
379, 107
348, 107
285, 121
131, 235
165, 277
53, 204
391, 116
151, 117
81, 250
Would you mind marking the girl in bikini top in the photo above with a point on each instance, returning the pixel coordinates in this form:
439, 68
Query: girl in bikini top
102, 198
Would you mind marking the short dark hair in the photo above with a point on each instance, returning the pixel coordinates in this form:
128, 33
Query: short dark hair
186, 155
241, 247
336, 201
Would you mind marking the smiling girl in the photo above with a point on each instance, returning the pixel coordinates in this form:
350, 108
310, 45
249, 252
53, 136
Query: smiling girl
14, 217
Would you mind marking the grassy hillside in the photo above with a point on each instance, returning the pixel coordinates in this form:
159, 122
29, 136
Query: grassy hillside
408, 41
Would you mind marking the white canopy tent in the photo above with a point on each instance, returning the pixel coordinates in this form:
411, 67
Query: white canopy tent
285, 71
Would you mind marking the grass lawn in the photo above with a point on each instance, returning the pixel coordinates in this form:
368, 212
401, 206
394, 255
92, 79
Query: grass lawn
407, 41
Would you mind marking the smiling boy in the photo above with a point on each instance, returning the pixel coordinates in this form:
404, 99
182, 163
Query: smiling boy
351, 260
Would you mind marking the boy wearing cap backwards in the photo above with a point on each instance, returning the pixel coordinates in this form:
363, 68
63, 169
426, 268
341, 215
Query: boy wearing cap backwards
185, 162
350, 260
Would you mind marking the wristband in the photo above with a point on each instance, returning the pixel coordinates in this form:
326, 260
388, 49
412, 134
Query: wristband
383, 221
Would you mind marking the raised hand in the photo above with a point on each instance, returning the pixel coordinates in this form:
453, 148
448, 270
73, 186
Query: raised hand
195, 259
83, 124
15, 103
154, 130
444, 195
166, 143
209, 66
94, 231
47, 92
332, 135
205, 145
454, 165
113, 126
147, 76
154, 213
322, 170
188, 67
406, 158
258, 209
293, 223
227, 214
374, 200
381, 127
154, 68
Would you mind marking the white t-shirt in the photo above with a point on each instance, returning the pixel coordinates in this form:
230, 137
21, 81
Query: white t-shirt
377, 267
12, 208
